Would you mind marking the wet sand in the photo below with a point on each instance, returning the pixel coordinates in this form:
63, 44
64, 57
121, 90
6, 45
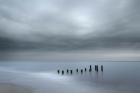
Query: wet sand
13, 88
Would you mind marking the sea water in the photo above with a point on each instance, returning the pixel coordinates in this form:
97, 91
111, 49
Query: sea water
116, 77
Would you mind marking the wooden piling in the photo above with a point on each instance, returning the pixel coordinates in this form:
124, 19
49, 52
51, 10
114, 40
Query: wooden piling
67, 71
81, 71
90, 67
62, 72
77, 70
85, 69
97, 68
71, 71
102, 68
58, 71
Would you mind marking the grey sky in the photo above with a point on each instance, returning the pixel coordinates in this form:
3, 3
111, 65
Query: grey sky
69, 25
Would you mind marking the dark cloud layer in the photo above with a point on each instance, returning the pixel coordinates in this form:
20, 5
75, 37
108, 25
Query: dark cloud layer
69, 25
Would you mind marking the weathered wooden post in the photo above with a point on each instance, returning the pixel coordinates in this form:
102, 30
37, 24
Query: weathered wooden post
102, 68
81, 71
67, 71
97, 68
62, 72
85, 69
77, 70
90, 68
58, 71
71, 71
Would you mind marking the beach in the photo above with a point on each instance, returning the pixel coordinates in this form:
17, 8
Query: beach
13, 88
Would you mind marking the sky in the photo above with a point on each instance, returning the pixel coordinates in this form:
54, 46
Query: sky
70, 30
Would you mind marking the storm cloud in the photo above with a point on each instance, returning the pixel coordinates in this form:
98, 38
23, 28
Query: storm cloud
69, 25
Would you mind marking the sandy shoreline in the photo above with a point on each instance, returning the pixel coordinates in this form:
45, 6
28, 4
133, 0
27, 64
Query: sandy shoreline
13, 88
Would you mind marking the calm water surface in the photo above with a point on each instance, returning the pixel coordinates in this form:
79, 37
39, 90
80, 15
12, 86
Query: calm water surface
117, 77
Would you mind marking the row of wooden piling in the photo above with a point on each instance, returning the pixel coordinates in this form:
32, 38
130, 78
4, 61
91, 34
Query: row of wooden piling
80, 70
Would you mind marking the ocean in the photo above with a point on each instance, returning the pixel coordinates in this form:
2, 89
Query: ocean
63, 77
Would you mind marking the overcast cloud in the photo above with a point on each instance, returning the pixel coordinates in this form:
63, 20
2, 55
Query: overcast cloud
69, 25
